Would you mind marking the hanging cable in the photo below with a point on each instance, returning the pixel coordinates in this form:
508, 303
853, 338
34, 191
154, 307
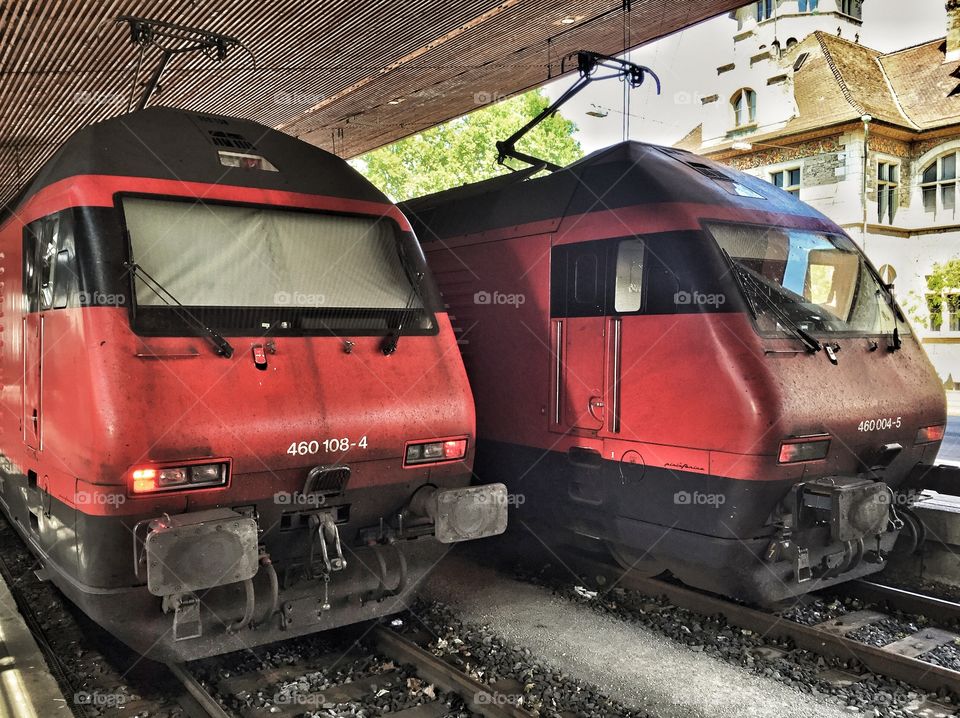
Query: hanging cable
136, 76
627, 7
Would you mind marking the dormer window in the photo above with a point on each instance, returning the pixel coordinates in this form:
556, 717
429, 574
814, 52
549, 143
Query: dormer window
744, 104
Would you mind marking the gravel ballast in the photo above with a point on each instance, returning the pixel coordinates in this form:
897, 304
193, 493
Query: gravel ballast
650, 656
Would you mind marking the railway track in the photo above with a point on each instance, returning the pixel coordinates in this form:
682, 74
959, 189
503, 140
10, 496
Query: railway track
901, 659
407, 681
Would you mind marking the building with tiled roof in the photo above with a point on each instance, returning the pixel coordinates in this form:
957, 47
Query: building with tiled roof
871, 139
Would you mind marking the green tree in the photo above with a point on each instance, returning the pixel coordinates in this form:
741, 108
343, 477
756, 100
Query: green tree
942, 277
463, 150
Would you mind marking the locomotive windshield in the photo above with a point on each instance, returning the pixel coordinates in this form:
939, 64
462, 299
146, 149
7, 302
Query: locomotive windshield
819, 282
255, 268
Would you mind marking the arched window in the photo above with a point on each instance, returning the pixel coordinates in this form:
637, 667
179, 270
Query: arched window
744, 104
938, 184
791, 41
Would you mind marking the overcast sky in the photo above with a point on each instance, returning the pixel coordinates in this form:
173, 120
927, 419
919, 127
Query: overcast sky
686, 63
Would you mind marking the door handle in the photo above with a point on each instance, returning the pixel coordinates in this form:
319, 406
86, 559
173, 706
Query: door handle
593, 405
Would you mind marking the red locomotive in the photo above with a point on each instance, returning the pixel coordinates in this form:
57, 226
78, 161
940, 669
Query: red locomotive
232, 408
685, 366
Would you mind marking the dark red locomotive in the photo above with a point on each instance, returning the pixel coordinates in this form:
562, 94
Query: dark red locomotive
241, 415
687, 366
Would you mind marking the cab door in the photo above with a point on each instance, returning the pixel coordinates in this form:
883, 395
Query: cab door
39, 260
579, 328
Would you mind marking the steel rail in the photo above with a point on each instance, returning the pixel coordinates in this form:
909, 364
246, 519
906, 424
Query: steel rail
200, 694
900, 599
478, 697
913, 671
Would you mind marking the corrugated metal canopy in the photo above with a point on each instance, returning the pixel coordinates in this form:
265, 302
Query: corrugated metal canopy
344, 75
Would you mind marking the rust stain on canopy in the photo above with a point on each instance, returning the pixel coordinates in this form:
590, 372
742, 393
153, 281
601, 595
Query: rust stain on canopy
346, 76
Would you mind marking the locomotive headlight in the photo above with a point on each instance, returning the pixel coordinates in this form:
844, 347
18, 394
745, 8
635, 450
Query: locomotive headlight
431, 452
807, 448
172, 477
154, 479
929, 434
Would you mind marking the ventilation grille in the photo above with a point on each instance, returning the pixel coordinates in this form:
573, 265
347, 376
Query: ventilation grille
327, 480
709, 172
230, 140
213, 120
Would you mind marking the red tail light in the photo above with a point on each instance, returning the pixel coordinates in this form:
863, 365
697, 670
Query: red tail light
808, 448
930, 434
454, 449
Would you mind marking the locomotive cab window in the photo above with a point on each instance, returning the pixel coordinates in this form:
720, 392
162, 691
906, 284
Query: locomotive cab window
819, 282
247, 268
49, 277
629, 281
579, 279
590, 279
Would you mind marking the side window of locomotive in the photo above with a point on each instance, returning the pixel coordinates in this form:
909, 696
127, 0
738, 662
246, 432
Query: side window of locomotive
32, 234
578, 280
586, 279
48, 268
628, 288
47, 259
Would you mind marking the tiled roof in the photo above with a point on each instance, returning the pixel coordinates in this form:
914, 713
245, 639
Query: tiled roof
840, 81
861, 79
925, 84
692, 140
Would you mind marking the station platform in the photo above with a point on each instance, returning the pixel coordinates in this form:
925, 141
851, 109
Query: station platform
940, 514
27, 688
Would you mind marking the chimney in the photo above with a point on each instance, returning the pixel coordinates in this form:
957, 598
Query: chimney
953, 31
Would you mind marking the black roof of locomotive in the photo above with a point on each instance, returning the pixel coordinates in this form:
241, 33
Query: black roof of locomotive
626, 174
165, 143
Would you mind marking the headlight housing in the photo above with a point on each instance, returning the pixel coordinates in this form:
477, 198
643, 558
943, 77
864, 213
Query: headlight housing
930, 434
417, 453
804, 448
159, 478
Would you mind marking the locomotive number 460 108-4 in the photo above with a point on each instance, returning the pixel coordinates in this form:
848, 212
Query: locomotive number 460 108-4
306, 448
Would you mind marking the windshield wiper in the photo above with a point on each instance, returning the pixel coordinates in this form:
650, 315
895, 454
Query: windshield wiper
895, 341
743, 277
390, 342
220, 345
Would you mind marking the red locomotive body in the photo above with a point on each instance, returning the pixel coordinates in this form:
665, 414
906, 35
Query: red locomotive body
239, 417
686, 366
